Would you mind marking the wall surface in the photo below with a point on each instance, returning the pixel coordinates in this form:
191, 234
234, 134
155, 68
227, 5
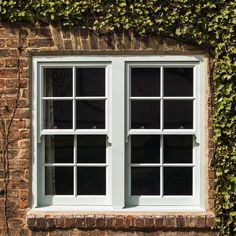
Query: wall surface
27, 40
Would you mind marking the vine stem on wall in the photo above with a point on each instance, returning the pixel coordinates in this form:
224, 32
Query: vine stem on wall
7, 115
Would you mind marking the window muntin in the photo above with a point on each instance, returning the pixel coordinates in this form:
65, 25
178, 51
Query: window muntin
158, 167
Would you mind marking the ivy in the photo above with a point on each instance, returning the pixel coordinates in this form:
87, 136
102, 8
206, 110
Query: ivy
208, 23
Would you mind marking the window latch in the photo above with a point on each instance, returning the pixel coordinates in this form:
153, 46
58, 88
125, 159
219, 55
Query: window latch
196, 139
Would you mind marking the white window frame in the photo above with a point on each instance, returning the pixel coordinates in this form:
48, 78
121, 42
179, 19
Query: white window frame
118, 132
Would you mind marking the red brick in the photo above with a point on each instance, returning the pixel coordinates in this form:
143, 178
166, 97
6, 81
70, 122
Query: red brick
170, 221
201, 221
40, 223
80, 221
89, 221
8, 73
180, 220
139, 222
159, 221
210, 220
35, 43
100, 221
129, 221
59, 222
149, 222
120, 222
109, 221
190, 221
50, 222
69, 222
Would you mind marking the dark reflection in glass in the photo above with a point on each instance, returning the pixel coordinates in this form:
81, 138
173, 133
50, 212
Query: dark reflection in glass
145, 149
178, 180
91, 149
178, 82
59, 180
58, 114
178, 114
91, 180
145, 181
90, 82
145, 114
59, 149
90, 114
145, 82
58, 82
178, 148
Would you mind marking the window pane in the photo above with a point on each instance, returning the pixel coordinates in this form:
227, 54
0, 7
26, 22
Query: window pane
145, 181
59, 180
145, 149
145, 114
178, 114
178, 148
178, 180
90, 82
178, 82
91, 181
90, 114
58, 114
58, 82
145, 82
59, 149
91, 149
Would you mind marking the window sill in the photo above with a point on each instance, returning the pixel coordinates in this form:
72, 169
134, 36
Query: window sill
48, 219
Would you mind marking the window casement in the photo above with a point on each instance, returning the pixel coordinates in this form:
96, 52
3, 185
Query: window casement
118, 131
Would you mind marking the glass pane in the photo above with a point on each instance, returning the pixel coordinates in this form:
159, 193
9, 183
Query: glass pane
178, 82
178, 114
59, 180
145, 149
59, 149
145, 181
90, 114
145, 114
91, 149
58, 82
58, 114
90, 82
91, 180
178, 149
145, 82
178, 180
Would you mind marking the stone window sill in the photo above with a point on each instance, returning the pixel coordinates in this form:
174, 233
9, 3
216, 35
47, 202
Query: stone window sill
119, 221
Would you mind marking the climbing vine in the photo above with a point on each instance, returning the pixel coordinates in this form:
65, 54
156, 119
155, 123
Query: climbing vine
208, 23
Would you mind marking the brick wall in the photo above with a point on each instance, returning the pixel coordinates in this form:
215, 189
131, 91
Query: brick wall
45, 40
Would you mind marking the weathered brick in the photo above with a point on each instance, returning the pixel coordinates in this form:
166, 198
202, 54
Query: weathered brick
100, 221
129, 221
139, 222
159, 221
31, 221
40, 32
120, 221
8, 73
109, 221
35, 43
190, 221
50, 222
201, 221
149, 222
210, 220
80, 221
180, 220
2, 43
40, 223
69, 221
90, 221
59, 222
170, 221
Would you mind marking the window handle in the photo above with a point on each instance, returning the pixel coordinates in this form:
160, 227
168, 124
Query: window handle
109, 140
196, 140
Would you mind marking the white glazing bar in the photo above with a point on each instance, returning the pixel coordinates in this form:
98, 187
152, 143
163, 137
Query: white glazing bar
145, 165
161, 94
74, 94
145, 98
178, 98
72, 132
158, 131
118, 133
161, 168
178, 164
92, 98
75, 167
76, 164
57, 98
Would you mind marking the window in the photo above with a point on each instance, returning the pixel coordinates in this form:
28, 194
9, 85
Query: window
118, 131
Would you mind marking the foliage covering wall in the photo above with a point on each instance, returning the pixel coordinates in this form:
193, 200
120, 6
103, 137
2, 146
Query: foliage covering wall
208, 23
